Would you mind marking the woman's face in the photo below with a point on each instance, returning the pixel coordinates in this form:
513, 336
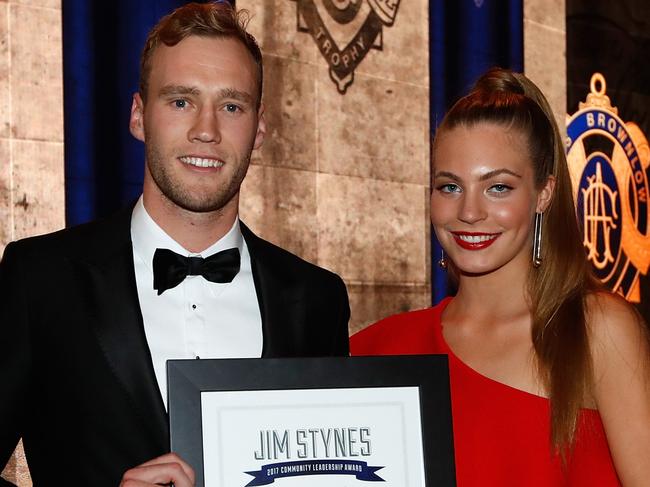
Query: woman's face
484, 197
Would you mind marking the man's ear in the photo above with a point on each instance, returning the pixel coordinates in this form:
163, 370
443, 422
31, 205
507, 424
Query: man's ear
545, 195
136, 121
261, 128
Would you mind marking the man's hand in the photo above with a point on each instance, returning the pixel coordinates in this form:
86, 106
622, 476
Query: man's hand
165, 470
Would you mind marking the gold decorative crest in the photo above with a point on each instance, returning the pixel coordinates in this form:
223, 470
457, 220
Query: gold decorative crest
608, 161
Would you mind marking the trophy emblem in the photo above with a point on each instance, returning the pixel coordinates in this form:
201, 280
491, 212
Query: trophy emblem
345, 31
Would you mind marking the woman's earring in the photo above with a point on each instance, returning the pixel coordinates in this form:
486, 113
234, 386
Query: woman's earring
537, 239
442, 263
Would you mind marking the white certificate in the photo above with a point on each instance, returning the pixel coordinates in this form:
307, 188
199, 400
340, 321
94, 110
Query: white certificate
316, 437
330, 421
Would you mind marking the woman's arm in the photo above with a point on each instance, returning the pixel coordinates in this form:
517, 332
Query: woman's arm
620, 347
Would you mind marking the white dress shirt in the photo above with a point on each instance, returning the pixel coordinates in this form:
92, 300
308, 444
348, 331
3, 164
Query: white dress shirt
197, 318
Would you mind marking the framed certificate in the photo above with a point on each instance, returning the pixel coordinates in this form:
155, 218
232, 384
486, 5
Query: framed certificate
345, 421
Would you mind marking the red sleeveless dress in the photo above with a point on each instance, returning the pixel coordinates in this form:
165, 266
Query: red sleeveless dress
501, 434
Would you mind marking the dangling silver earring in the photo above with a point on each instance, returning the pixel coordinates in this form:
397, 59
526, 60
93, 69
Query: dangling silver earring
442, 263
537, 239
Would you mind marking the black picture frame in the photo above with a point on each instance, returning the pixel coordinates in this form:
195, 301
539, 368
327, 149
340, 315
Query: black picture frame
187, 379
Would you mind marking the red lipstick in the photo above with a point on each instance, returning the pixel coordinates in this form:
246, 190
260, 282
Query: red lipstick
475, 240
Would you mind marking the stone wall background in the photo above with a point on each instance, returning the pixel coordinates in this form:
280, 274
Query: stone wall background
31, 119
31, 134
545, 51
343, 180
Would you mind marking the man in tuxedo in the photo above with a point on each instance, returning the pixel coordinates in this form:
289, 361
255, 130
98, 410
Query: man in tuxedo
90, 314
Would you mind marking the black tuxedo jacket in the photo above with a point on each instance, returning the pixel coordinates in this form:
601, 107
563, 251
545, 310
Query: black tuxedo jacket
75, 370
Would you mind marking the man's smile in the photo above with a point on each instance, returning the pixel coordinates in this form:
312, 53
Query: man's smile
201, 161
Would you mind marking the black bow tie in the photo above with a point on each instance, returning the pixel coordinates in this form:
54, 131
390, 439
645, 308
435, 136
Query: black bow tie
169, 268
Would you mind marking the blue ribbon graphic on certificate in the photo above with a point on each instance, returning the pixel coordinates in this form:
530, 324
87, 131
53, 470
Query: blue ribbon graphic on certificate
268, 473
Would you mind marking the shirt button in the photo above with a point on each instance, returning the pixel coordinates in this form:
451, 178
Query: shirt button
194, 306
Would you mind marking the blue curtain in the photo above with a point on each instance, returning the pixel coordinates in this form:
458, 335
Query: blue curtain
102, 41
466, 38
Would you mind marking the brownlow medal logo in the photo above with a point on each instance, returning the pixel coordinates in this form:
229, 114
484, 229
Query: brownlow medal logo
609, 161
345, 30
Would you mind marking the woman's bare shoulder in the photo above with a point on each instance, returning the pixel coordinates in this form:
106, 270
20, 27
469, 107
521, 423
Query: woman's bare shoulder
620, 349
615, 327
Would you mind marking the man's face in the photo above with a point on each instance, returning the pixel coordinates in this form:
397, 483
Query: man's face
199, 123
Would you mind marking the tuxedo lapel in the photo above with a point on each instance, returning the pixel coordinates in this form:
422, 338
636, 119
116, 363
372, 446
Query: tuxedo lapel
282, 303
119, 328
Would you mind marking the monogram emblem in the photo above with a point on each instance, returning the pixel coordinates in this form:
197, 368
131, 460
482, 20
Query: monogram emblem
345, 31
599, 217
608, 161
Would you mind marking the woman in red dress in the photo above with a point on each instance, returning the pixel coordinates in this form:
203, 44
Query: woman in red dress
550, 374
